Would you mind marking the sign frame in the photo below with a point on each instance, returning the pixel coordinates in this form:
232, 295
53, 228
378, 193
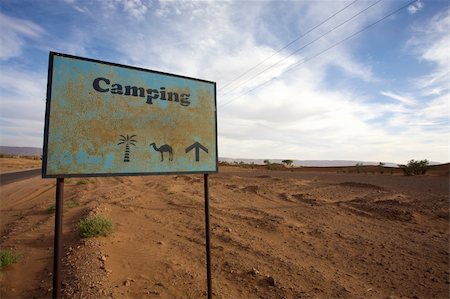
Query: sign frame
50, 78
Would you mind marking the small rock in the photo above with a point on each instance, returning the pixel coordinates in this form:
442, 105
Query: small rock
228, 230
103, 258
160, 242
127, 283
271, 281
254, 272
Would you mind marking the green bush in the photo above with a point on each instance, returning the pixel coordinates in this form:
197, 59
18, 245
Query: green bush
415, 167
287, 162
7, 257
95, 226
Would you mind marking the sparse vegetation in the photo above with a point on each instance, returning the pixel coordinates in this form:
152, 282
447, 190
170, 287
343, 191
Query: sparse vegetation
95, 226
67, 204
7, 257
269, 165
415, 167
71, 204
19, 157
83, 182
381, 167
51, 209
287, 162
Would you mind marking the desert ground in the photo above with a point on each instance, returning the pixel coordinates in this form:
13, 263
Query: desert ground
15, 164
293, 233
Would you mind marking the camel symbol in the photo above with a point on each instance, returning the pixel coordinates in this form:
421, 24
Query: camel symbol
163, 148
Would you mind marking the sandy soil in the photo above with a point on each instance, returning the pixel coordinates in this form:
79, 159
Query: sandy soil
275, 234
14, 164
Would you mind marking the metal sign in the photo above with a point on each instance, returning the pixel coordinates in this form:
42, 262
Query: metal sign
107, 119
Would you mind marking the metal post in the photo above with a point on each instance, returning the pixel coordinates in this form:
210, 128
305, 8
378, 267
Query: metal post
208, 244
57, 246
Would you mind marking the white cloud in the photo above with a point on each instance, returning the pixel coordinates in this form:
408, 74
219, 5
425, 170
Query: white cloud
22, 107
430, 120
407, 100
431, 43
13, 35
415, 7
136, 8
19, 132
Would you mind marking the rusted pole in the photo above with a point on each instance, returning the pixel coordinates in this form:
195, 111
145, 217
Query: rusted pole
208, 244
57, 245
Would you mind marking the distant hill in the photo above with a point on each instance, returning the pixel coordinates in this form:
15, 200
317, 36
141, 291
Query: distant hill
314, 163
36, 151
20, 151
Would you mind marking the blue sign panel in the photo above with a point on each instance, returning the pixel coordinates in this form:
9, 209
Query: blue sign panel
108, 119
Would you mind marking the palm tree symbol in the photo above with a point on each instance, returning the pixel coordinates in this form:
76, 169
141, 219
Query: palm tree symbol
127, 141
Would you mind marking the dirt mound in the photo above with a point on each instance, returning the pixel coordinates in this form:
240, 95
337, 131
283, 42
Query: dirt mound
305, 198
251, 189
232, 186
285, 196
389, 209
360, 185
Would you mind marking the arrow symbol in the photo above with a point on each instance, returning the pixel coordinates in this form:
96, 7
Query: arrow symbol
197, 147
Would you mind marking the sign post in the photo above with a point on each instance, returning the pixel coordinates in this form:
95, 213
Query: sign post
107, 119
57, 246
207, 235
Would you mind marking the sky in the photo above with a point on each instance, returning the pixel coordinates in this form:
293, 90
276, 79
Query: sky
306, 80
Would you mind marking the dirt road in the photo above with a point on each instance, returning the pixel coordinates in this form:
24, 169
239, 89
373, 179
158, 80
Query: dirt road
275, 234
10, 177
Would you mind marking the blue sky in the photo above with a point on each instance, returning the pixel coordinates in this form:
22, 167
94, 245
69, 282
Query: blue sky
382, 95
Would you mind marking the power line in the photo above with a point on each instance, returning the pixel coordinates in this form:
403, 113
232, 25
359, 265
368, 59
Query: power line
325, 50
308, 44
287, 45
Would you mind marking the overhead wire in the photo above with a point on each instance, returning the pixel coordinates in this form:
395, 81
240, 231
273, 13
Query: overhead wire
325, 50
287, 45
304, 46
